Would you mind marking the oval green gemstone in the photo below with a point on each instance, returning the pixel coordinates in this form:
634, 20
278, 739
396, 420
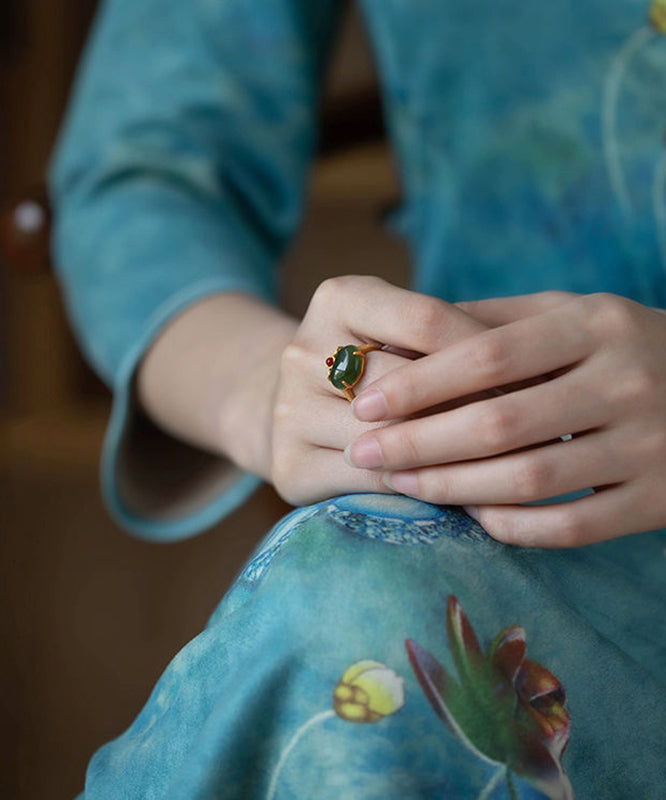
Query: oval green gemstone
347, 367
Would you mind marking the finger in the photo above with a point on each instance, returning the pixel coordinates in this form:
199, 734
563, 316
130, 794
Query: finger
496, 357
502, 310
306, 484
606, 514
537, 474
373, 310
326, 423
565, 405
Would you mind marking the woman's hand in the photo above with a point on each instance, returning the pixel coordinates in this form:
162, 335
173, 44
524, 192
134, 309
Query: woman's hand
312, 422
605, 357
236, 376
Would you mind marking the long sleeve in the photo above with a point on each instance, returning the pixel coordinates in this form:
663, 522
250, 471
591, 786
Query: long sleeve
179, 172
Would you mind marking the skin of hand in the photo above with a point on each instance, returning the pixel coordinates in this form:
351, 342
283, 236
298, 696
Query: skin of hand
600, 361
312, 421
209, 378
238, 377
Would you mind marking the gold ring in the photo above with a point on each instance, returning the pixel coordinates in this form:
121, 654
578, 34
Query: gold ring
347, 365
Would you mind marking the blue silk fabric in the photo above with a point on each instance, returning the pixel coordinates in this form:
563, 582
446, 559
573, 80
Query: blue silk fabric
246, 710
377, 647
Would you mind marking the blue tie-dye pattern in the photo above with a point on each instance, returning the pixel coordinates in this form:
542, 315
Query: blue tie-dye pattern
532, 157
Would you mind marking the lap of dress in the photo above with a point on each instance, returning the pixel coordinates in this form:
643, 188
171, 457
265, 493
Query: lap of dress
376, 647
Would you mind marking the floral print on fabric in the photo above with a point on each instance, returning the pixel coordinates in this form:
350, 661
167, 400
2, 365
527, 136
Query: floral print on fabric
505, 708
367, 692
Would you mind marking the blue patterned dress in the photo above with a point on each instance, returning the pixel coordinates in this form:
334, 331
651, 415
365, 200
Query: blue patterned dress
377, 647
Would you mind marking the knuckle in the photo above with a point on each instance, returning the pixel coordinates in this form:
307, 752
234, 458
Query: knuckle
568, 529
532, 479
292, 358
648, 447
497, 428
425, 318
433, 486
399, 447
555, 297
429, 313
638, 389
647, 383
490, 358
500, 527
611, 313
329, 291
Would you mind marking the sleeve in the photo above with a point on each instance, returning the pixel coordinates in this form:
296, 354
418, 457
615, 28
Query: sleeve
180, 171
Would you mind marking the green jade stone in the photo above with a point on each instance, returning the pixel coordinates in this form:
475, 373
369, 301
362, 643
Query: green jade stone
347, 367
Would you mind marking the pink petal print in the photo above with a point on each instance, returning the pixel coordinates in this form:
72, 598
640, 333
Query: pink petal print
507, 652
465, 650
553, 721
536, 681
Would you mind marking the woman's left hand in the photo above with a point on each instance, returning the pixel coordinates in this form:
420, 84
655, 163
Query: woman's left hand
593, 366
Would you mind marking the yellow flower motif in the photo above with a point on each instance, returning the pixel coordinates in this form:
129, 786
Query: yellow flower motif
658, 15
368, 691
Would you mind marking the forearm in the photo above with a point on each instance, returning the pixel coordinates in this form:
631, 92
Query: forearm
210, 377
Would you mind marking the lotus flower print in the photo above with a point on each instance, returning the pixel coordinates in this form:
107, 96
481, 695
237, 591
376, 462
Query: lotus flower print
367, 692
506, 708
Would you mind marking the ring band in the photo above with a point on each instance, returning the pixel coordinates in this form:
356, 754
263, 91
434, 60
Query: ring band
347, 365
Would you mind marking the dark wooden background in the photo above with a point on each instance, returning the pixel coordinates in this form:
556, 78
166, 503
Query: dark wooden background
91, 616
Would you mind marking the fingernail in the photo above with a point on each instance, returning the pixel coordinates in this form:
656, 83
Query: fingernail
364, 453
472, 511
403, 482
370, 406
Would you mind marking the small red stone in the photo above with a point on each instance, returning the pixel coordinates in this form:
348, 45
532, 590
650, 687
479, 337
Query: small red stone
329, 361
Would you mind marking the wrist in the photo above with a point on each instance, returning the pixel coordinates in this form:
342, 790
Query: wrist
208, 378
245, 412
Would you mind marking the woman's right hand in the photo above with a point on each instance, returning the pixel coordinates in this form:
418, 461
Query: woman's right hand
312, 422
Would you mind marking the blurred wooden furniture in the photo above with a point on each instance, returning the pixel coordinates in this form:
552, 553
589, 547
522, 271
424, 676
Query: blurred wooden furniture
40, 368
45, 370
